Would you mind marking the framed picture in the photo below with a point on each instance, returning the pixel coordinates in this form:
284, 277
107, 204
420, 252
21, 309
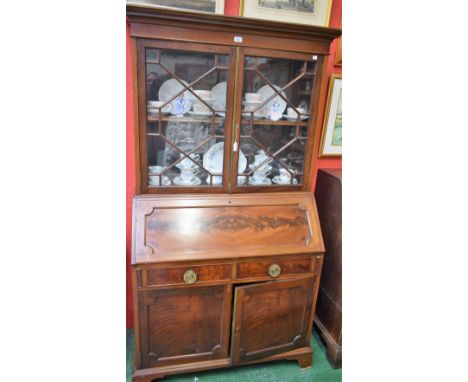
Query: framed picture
212, 6
311, 12
331, 132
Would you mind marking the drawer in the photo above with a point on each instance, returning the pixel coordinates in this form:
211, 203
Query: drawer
261, 269
175, 275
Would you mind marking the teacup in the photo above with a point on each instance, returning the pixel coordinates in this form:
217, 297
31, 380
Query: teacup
253, 97
154, 106
259, 158
187, 175
155, 169
284, 175
292, 113
153, 180
187, 163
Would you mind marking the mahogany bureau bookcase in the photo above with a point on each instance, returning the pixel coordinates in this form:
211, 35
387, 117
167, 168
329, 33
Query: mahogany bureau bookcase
227, 248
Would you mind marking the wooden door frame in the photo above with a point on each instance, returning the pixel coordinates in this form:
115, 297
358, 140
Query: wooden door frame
312, 122
141, 44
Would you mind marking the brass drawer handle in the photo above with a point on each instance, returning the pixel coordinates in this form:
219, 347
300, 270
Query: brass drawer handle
274, 270
190, 277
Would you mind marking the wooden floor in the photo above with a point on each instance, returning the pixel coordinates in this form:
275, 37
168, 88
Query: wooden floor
281, 371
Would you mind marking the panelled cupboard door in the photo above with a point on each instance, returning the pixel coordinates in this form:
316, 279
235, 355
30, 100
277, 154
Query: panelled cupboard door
184, 325
271, 318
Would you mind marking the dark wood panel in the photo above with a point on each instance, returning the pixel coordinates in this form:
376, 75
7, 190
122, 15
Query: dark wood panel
207, 228
260, 268
271, 318
184, 325
164, 276
221, 23
191, 227
329, 314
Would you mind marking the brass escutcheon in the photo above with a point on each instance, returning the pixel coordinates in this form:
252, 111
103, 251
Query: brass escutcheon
274, 270
190, 277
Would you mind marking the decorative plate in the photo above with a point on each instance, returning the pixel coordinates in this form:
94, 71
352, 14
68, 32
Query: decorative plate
183, 103
218, 96
277, 105
214, 157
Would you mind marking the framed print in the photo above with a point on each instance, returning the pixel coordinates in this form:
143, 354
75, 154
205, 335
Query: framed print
212, 6
331, 132
311, 12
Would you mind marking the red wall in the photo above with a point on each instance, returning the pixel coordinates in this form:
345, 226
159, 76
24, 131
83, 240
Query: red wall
231, 8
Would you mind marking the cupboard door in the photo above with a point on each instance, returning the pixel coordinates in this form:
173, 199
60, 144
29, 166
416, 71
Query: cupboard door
271, 318
277, 112
184, 325
184, 93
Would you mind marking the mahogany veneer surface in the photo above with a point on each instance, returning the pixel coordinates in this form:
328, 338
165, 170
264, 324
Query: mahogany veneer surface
235, 311
188, 227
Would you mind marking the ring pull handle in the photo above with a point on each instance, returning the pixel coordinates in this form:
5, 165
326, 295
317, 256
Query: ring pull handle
190, 277
274, 270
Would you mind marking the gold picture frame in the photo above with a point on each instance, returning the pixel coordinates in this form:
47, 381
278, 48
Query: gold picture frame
331, 141
205, 6
309, 12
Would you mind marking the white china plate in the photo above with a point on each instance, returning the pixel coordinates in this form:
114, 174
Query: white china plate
156, 112
266, 91
169, 89
201, 114
278, 180
214, 157
218, 95
256, 115
165, 182
265, 168
178, 180
263, 182
302, 117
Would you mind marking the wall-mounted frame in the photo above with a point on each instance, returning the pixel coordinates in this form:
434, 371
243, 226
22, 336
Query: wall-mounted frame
310, 12
331, 142
210, 6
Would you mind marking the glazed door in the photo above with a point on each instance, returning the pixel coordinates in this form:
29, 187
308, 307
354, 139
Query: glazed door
184, 93
184, 325
271, 318
277, 102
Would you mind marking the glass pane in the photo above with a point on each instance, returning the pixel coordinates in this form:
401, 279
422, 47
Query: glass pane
265, 169
275, 117
277, 89
186, 108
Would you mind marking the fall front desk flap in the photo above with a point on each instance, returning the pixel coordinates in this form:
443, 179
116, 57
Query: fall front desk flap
194, 227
